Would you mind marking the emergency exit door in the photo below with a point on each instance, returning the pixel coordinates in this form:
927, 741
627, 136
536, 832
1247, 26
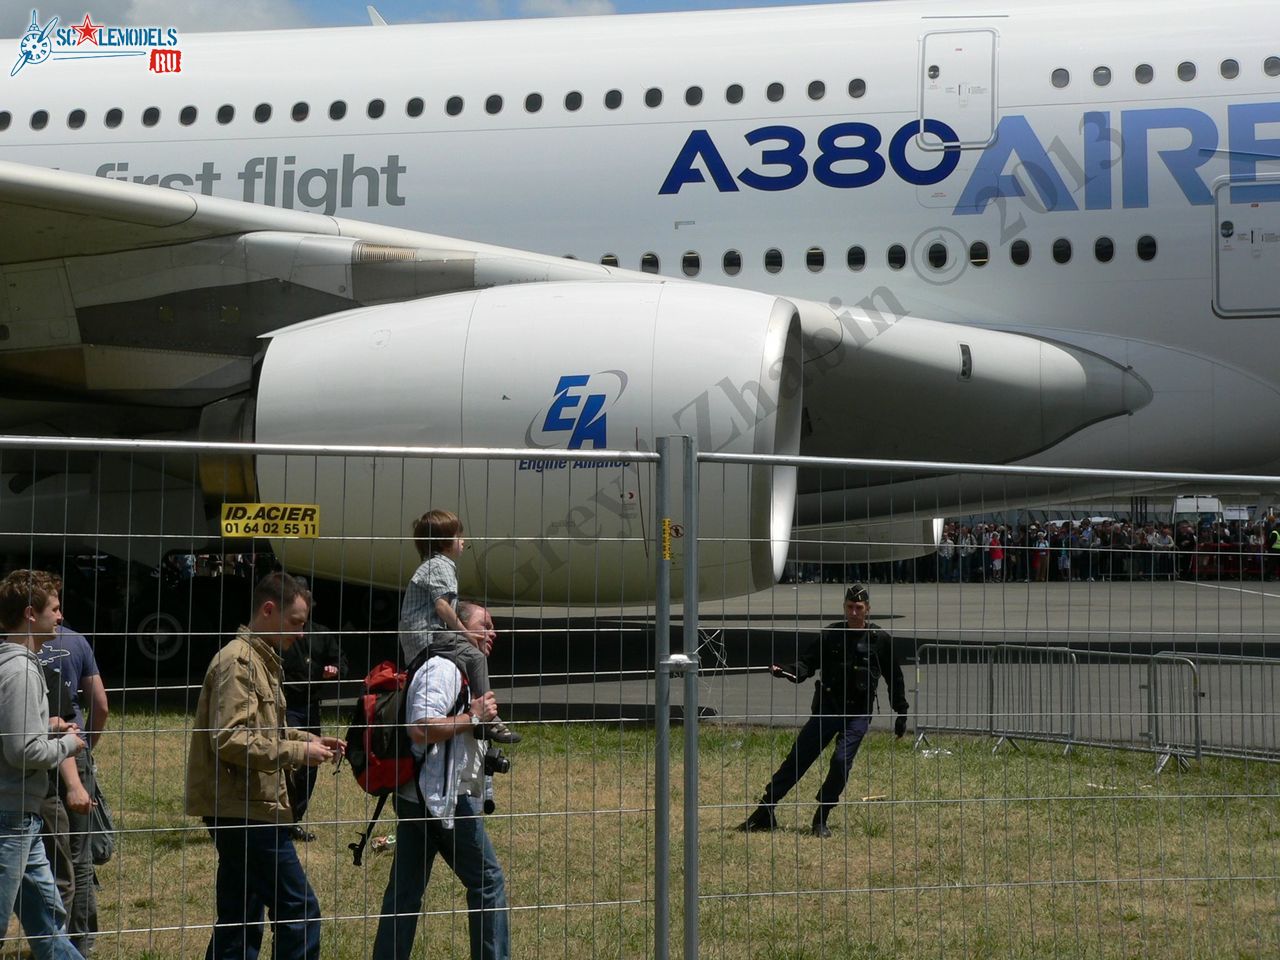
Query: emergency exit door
1246, 257
958, 87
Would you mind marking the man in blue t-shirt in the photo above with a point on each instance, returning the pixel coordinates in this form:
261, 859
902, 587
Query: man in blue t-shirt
69, 655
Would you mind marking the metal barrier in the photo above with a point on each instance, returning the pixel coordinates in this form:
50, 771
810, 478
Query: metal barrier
590, 577
1083, 698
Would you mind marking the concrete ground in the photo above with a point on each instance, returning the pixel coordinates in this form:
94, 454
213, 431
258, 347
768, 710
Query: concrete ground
597, 666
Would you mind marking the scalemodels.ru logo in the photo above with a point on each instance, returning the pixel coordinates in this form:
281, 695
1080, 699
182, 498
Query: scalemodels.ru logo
89, 41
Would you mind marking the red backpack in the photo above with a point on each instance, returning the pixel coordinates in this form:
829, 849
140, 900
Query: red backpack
378, 746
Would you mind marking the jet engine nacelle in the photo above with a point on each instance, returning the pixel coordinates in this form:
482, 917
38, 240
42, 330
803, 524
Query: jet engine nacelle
550, 367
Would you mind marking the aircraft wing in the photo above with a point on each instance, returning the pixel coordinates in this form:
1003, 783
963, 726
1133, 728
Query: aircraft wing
145, 306
120, 296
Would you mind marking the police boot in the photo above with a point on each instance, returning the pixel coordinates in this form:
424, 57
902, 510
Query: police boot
820, 828
761, 818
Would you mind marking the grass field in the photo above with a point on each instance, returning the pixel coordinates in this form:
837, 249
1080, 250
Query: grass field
1021, 854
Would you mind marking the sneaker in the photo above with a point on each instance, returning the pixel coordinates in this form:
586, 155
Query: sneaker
761, 819
498, 732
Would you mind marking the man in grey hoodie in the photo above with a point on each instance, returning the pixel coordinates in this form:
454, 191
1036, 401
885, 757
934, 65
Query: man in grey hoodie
29, 615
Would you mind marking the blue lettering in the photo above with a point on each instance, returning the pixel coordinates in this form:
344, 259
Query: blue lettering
1247, 149
590, 426
1182, 163
683, 171
788, 156
989, 181
832, 153
923, 178
564, 401
1097, 160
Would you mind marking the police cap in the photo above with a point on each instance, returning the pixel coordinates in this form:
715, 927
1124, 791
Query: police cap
857, 593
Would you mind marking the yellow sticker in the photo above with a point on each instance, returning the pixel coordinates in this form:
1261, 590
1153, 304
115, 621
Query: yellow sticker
666, 538
290, 521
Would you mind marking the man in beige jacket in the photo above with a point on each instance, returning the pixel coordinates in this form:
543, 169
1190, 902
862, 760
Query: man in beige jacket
241, 751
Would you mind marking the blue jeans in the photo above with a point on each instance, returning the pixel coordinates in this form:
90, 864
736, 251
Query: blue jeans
813, 738
258, 869
27, 888
469, 854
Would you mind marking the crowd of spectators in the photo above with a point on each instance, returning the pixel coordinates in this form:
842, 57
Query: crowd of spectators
1098, 549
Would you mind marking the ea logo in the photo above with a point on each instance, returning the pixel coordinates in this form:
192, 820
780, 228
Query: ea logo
579, 407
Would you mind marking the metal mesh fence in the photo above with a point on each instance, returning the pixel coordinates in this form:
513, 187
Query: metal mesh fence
1128, 650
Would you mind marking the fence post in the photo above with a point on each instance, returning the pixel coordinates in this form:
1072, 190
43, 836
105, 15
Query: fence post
690, 608
662, 711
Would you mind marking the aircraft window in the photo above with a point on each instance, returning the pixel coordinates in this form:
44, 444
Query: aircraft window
115, 115
301, 110
188, 116
1186, 71
150, 116
262, 112
1062, 250
533, 102
75, 119
897, 256
573, 100
815, 259
453, 106
979, 255
1271, 66
653, 97
1020, 252
1230, 69
691, 264
773, 260
817, 90
1143, 73
613, 99
732, 262
649, 263
40, 119
733, 93
376, 109
856, 258
966, 362
414, 107
5, 118
937, 255
693, 96
1146, 247
1101, 76
493, 104
609, 260
337, 109
1104, 249
857, 88
1061, 77
774, 92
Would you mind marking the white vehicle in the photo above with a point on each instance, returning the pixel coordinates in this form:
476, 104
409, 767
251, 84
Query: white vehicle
1032, 233
1197, 509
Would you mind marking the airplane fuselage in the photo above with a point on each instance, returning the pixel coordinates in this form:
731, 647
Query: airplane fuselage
1061, 170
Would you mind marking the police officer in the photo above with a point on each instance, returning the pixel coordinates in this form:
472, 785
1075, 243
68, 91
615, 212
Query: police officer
852, 655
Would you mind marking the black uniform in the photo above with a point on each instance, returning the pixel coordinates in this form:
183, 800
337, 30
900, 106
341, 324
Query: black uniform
851, 663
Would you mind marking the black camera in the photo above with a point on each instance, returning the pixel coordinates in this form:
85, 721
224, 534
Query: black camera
495, 761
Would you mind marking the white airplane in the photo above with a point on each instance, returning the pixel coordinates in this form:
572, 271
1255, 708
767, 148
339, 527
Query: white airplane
1034, 233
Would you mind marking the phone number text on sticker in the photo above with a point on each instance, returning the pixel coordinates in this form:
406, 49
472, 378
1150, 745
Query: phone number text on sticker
287, 520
